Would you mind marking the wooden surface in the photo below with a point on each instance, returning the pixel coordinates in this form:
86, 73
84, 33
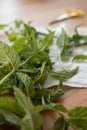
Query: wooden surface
41, 12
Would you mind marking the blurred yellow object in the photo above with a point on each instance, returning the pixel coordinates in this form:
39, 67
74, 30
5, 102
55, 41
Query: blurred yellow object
69, 13
76, 13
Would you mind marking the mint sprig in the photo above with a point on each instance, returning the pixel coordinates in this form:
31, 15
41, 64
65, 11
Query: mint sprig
24, 67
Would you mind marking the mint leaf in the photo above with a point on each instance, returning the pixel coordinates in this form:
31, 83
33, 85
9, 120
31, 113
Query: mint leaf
47, 41
78, 118
52, 106
43, 74
63, 39
78, 40
64, 75
9, 116
2, 120
47, 95
80, 57
32, 114
19, 43
2, 26
27, 81
26, 123
61, 124
18, 23
29, 30
13, 106
63, 44
26, 64
9, 55
13, 36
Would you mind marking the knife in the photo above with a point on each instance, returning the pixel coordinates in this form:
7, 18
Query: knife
69, 13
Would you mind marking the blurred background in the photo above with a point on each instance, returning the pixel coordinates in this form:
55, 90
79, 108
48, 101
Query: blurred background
40, 12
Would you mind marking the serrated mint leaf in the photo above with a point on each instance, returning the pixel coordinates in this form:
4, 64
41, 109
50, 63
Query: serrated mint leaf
9, 55
78, 118
10, 58
27, 81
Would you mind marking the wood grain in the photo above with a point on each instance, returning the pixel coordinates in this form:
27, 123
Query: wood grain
41, 12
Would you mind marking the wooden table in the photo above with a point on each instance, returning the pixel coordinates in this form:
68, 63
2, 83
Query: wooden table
41, 12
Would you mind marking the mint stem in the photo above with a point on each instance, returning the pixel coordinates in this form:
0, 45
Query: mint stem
6, 77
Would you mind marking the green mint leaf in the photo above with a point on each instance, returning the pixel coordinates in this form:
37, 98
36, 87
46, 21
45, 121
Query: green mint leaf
48, 95
78, 118
10, 117
63, 39
78, 40
18, 23
9, 55
63, 44
19, 43
80, 57
28, 107
29, 30
13, 36
2, 26
43, 73
26, 123
47, 41
52, 106
13, 106
61, 124
27, 81
64, 75
2, 120
33, 41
